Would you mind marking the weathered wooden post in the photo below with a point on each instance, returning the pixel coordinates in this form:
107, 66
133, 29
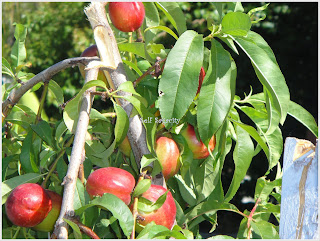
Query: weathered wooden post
299, 196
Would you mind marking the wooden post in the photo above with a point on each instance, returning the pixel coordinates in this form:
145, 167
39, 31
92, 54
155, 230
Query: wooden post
299, 196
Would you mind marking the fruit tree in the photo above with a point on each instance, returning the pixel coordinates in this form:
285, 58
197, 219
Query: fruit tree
140, 150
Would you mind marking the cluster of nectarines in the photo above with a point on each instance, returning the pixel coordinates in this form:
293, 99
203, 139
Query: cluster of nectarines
30, 205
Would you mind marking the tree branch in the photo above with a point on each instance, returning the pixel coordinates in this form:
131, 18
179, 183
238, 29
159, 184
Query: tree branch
43, 76
110, 56
70, 179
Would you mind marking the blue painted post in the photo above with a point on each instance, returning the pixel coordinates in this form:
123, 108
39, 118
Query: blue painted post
299, 217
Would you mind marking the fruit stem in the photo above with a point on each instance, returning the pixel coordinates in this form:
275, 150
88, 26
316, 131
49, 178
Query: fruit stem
139, 35
135, 205
53, 166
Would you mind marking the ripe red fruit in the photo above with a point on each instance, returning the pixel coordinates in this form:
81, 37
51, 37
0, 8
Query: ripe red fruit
169, 156
165, 215
47, 225
125, 147
197, 147
126, 16
112, 180
28, 205
201, 77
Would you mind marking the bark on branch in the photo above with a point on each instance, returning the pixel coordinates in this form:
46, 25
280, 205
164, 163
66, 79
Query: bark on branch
110, 56
43, 76
70, 179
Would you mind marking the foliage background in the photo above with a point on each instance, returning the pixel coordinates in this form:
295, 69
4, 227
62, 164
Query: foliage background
57, 31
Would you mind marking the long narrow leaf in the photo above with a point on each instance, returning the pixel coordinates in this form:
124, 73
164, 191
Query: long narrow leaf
303, 116
217, 92
242, 156
174, 15
268, 73
180, 78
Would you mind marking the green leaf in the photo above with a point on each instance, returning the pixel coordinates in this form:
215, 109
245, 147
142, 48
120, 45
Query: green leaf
6, 68
79, 199
206, 207
60, 130
57, 91
174, 15
265, 230
28, 157
118, 209
228, 41
21, 115
264, 188
99, 156
5, 163
273, 116
147, 206
146, 160
303, 116
179, 82
275, 143
150, 230
160, 201
219, 7
148, 88
45, 156
133, 66
142, 187
75, 228
236, 24
148, 118
127, 87
186, 191
255, 135
71, 110
163, 28
151, 19
258, 9
260, 42
242, 156
135, 48
18, 52
217, 92
44, 131
268, 73
122, 124
258, 116
274, 140
8, 185
180, 217
206, 179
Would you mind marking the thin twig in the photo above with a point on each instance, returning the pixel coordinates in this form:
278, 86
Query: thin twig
70, 179
149, 71
54, 164
250, 217
42, 100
